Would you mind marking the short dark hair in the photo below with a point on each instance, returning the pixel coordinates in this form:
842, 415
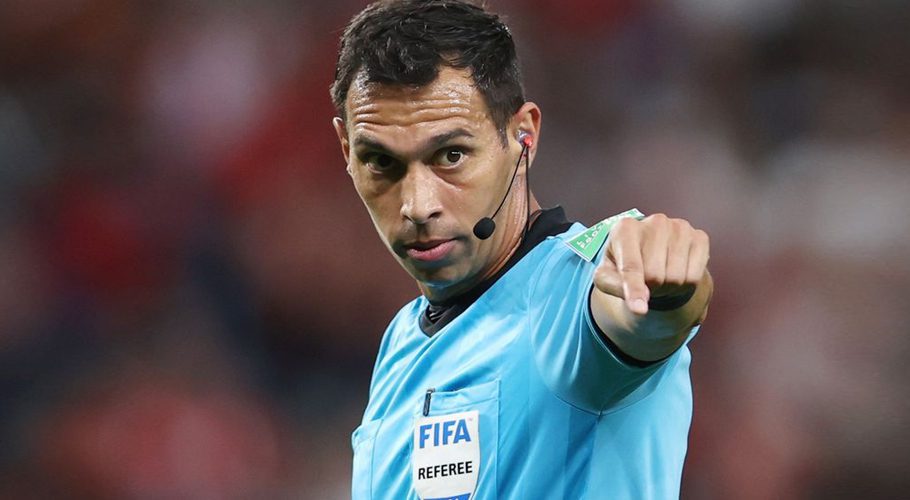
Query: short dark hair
404, 42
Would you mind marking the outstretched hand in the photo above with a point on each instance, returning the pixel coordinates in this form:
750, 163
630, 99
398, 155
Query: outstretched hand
654, 257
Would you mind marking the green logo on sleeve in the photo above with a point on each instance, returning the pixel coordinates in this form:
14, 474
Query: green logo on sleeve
588, 243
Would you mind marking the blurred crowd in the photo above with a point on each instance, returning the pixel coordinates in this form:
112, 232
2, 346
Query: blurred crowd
191, 293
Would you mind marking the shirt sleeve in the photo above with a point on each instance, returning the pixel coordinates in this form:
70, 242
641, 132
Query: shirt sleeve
572, 356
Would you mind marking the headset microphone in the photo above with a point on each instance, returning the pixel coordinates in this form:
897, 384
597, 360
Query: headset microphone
485, 227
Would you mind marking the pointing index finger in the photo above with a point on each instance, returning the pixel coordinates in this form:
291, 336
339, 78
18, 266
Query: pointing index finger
626, 248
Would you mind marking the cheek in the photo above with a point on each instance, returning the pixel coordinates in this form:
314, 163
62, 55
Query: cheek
384, 210
379, 203
488, 187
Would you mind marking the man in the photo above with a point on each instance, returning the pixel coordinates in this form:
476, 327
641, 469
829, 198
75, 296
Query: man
540, 361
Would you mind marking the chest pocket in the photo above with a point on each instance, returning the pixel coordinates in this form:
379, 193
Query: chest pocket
363, 440
482, 398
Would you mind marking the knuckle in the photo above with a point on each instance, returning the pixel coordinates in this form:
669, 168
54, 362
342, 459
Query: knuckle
682, 225
602, 273
675, 278
654, 275
630, 268
695, 275
623, 225
658, 219
654, 267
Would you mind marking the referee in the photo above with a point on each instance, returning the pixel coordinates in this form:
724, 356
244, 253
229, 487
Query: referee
544, 359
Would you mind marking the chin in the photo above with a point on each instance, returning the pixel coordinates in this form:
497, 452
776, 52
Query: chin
439, 278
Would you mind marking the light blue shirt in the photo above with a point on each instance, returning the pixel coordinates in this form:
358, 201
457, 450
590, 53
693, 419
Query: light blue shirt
560, 416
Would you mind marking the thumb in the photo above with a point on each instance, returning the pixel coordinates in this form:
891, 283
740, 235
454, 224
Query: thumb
628, 286
608, 279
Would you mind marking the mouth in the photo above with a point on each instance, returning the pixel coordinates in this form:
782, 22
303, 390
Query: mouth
429, 251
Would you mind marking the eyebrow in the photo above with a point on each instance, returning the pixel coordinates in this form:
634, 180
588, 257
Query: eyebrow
431, 144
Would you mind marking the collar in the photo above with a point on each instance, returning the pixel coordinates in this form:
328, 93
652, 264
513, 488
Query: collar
549, 222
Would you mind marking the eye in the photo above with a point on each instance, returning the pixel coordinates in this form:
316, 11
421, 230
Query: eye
451, 157
380, 162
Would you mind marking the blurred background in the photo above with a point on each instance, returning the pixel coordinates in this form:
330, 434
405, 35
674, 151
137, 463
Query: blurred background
191, 293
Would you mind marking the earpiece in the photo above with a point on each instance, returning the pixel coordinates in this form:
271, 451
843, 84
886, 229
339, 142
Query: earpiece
525, 139
485, 227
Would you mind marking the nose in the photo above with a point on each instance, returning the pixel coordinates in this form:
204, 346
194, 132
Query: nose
420, 195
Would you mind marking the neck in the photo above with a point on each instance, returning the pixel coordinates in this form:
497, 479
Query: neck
513, 225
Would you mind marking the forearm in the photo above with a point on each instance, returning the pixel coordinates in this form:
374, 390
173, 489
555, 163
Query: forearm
654, 335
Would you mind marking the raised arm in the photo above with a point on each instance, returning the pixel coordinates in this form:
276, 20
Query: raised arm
657, 260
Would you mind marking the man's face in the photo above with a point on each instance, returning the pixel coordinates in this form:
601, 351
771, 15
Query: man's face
428, 163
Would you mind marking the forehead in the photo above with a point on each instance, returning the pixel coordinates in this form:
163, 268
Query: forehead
450, 101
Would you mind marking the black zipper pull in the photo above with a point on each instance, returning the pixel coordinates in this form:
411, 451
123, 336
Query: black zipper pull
426, 401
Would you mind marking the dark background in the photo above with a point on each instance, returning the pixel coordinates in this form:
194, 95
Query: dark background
191, 293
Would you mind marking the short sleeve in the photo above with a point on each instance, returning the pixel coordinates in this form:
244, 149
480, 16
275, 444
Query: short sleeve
572, 358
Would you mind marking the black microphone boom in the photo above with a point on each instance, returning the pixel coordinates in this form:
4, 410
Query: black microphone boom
485, 227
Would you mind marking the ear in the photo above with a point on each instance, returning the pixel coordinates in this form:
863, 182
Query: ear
342, 132
526, 120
